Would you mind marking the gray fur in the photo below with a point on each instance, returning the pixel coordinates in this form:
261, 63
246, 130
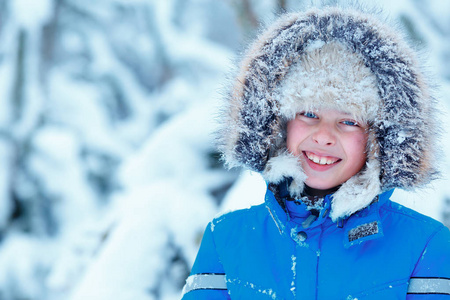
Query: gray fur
401, 141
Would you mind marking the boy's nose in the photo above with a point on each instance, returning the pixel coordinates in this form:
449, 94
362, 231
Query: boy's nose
324, 135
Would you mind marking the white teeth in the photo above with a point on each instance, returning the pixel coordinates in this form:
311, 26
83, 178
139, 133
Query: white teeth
321, 160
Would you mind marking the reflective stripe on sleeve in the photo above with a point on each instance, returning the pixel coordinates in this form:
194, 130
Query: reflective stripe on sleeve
209, 281
429, 286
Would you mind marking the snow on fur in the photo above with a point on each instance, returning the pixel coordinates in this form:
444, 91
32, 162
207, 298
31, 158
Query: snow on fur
397, 101
283, 166
327, 78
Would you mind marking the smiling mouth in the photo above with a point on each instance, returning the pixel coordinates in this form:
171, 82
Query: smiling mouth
321, 160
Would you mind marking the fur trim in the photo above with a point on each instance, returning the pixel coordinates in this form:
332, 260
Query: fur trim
329, 76
283, 166
357, 192
391, 93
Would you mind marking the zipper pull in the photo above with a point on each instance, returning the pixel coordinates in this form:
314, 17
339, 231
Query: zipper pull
340, 223
309, 220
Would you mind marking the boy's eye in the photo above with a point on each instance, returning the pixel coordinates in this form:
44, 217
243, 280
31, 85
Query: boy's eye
350, 123
309, 114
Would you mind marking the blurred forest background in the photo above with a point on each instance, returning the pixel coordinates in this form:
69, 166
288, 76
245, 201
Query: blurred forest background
109, 171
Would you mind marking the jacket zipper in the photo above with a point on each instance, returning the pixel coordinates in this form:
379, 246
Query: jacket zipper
317, 274
318, 260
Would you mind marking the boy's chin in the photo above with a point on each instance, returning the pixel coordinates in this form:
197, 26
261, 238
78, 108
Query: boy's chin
321, 185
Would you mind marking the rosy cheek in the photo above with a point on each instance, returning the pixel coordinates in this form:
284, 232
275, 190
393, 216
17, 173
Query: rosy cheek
292, 138
359, 145
359, 138
291, 146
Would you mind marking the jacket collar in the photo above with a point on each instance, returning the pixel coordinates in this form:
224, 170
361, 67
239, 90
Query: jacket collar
364, 225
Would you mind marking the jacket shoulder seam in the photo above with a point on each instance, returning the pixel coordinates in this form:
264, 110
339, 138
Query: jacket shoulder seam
420, 217
439, 229
232, 216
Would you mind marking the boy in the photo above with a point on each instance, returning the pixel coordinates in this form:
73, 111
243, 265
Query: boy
332, 109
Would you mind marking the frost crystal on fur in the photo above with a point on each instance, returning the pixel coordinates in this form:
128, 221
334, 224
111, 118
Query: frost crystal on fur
343, 59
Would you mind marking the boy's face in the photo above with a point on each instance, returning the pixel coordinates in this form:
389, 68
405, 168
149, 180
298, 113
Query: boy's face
330, 145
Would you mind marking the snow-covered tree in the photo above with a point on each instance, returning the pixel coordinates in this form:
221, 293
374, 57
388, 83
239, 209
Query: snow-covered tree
107, 121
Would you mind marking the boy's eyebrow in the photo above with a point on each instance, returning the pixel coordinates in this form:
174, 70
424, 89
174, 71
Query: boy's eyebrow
352, 116
345, 113
348, 114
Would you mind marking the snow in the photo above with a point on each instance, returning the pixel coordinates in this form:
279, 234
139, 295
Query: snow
30, 14
294, 273
23, 261
55, 150
6, 156
111, 175
317, 44
248, 190
268, 292
143, 227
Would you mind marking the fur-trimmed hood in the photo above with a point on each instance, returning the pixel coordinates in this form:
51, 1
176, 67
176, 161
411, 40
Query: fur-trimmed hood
292, 67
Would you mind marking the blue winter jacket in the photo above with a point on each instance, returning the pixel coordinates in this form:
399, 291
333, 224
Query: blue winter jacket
385, 251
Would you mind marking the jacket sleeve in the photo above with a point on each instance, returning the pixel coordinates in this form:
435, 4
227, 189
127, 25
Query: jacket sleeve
207, 278
430, 279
